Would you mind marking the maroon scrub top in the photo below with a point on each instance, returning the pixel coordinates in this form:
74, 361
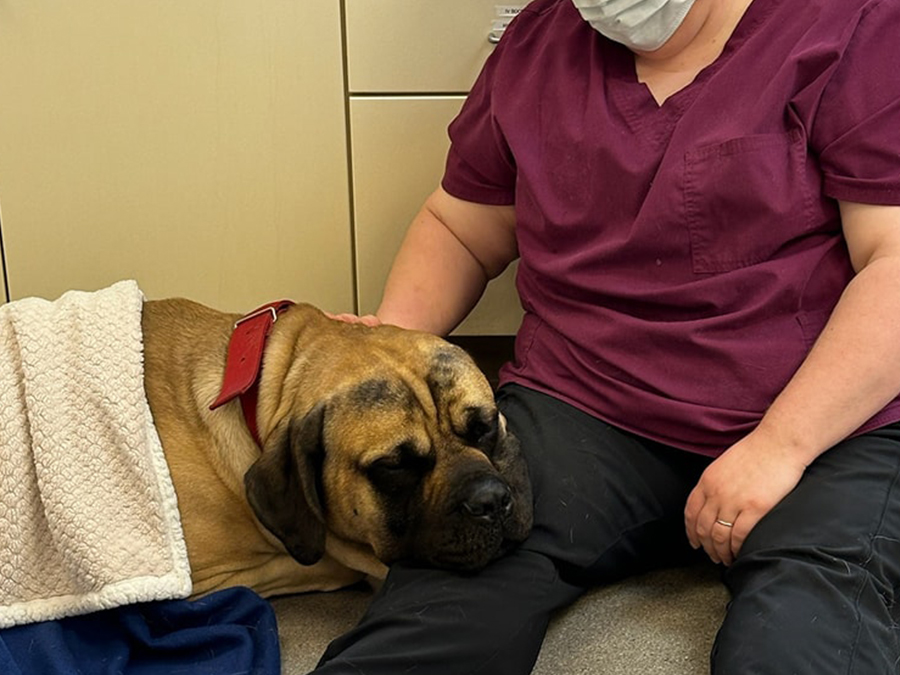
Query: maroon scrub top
678, 261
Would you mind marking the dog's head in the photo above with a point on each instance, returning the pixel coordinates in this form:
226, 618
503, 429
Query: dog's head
403, 450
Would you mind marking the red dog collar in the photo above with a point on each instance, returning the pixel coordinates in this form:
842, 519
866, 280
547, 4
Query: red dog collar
245, 352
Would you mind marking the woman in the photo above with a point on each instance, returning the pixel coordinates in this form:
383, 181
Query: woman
703, 195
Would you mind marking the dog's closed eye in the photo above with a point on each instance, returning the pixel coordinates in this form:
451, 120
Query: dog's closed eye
399, 471
480, 429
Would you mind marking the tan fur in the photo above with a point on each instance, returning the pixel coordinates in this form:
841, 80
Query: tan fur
310, 360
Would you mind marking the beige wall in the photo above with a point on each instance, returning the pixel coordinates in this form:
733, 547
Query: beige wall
197, 146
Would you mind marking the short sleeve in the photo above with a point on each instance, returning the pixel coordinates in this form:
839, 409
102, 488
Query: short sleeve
480, 166
857, 126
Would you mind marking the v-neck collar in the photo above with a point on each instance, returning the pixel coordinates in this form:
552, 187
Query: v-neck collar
637, 103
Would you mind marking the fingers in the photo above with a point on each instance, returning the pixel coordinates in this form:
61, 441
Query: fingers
735, 492
721, 536
693, 507
719, 533
369, 320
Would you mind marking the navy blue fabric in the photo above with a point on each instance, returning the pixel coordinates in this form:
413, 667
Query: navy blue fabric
230, 632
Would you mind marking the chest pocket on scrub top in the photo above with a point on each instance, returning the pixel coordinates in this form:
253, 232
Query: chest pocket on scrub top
744, 199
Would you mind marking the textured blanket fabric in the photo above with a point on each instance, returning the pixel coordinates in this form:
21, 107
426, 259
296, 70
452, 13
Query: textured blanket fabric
231, 632
88, 514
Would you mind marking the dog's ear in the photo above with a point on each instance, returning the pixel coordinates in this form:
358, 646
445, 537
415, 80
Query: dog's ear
282, 486
509, 460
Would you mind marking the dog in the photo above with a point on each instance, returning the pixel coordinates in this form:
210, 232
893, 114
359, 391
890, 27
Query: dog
362, 446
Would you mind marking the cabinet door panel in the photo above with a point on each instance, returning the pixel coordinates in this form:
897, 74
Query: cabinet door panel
197, 147
399, 145
417, 45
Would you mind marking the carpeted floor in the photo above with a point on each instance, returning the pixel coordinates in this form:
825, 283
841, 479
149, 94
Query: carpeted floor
656, 624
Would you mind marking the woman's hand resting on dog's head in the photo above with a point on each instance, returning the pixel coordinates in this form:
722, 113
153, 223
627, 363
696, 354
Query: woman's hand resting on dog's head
369, 320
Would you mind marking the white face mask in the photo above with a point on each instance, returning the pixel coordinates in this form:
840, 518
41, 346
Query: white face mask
643, 25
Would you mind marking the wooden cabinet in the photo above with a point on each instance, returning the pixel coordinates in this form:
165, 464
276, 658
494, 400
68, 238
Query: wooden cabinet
417, 46
198, 147
410, 64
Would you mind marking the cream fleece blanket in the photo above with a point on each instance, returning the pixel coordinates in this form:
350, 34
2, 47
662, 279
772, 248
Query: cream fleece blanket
88, 515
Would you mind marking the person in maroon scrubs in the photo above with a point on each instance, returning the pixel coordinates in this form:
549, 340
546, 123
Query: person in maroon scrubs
704, 200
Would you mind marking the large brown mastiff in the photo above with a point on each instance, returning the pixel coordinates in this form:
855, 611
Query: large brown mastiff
376, 445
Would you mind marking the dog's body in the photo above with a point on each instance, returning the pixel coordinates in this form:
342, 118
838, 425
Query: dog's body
378, 444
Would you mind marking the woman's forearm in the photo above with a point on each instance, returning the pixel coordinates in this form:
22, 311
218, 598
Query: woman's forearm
852, 371
434, 281
450, 252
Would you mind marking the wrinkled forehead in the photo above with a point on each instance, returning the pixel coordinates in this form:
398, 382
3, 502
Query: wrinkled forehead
453, 376
449, 396
374, 414
381, 392
448, 393
447, 370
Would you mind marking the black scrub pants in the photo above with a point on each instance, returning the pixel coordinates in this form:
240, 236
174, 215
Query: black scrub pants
812, 589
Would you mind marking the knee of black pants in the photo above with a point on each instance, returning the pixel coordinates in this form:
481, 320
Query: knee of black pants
814, 585
607, 503
805, 610
441, 623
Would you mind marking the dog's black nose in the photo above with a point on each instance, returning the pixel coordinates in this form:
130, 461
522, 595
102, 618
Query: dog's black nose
487, 497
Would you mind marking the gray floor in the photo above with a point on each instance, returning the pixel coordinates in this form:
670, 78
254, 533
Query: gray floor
657, 624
